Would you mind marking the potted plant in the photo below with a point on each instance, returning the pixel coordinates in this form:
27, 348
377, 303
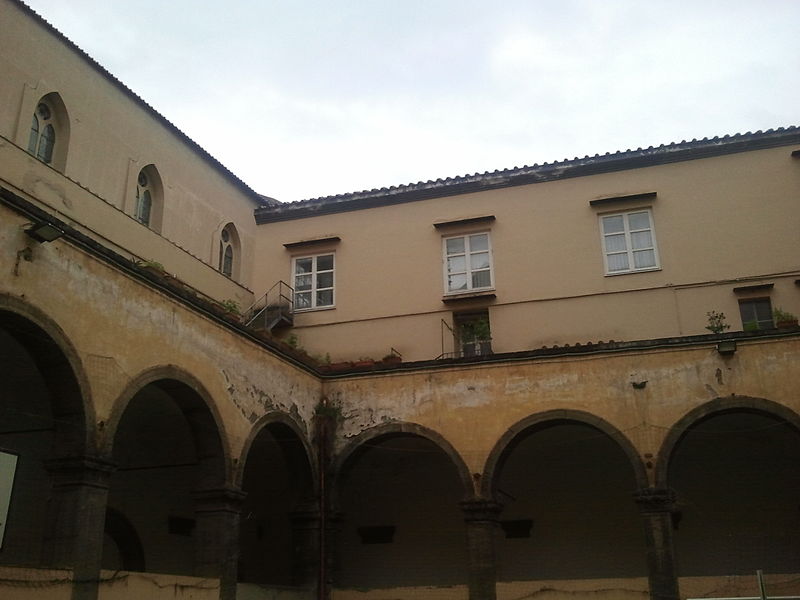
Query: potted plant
716, 322
152, 266
476, 337
364, 361
783, 319
393, 358
750, 326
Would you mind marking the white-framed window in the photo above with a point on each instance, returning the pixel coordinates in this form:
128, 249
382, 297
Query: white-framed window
467, 263
629, 242
313, 278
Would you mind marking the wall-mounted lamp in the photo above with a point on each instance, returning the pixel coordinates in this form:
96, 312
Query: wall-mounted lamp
726, 347
44, 232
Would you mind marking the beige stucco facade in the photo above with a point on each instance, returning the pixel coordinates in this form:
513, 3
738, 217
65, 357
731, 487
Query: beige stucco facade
609, 446
718, 222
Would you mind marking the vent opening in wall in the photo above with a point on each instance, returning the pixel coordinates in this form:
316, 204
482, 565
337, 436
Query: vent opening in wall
517, 528
376, 534
180, 526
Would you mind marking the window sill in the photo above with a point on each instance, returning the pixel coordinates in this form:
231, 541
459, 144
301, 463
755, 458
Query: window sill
633, 272
471, 295
316, 309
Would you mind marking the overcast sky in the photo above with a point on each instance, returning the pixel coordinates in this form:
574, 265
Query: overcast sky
304, 99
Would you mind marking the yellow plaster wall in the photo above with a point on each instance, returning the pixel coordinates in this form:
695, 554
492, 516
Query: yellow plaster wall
123, 329
473, 406
25, 583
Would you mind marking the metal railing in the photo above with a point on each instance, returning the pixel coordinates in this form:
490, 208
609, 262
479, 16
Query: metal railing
461, 349
274, 308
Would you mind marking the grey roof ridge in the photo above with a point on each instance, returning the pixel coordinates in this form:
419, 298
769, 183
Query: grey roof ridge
610, 161
226, 172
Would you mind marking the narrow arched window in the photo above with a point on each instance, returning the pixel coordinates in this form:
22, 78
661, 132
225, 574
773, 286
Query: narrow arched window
144, 199
228, 250
33, 139
42, 139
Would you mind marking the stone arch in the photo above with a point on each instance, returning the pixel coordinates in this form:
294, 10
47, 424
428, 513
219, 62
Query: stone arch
732, 466
565, 480
361, 441
710, 409
124, 536
173, 471
62, 370
265, 421
506, 444
277, 536
204, 420
396, 494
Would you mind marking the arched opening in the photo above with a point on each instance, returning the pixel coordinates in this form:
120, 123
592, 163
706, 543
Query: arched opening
167, 447
566, 486
274, 539
735, 473
122, 549
401, 524
48, 138
148, 206
43, 418
229, 253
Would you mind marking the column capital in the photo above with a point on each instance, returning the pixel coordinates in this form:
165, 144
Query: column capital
480, 509
655, 500
93, 471
305, 514
222, 499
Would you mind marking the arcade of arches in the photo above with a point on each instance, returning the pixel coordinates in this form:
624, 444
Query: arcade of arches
564, 500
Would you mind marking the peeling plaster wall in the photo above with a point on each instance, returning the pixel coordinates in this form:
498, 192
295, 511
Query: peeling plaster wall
473, 406
123, 329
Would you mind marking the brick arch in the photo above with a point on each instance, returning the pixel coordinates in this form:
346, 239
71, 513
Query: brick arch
62, 370
288, 423
198, 407
718, 406
506, 444
388, 430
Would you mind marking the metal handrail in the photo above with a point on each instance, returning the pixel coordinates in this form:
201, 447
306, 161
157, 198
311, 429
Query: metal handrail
277, 302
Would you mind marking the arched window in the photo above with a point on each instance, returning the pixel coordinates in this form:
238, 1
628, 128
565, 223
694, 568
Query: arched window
42, 139
148, 198
228, 245
48, 136
144, 199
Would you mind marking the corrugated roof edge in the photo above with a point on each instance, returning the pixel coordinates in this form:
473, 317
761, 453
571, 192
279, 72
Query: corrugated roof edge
577, 167
227, 173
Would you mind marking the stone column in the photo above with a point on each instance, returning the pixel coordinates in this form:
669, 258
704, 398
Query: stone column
334, 520
657, 507
75, 520
481, 518
305, 544
216, 536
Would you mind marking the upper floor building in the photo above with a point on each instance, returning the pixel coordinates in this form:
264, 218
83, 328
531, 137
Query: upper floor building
634, 245
79, 142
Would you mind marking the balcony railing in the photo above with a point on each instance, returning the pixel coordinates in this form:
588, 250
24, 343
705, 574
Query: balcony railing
273, 310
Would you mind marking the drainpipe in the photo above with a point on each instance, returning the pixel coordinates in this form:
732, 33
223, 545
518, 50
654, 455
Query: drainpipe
322, 445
